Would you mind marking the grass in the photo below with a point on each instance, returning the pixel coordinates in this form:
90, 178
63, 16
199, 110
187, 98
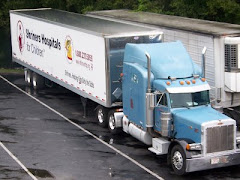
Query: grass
12, 71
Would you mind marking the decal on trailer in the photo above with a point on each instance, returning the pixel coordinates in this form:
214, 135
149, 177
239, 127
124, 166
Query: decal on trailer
20, 36
69, 49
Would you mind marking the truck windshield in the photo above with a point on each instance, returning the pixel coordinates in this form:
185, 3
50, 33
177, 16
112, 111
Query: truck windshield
179, 100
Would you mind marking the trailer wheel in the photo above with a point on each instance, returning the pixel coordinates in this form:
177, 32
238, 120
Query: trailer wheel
178, 160
101, 114
38, 81
28, 77
112, 123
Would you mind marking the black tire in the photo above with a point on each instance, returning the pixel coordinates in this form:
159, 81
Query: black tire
101, 116
228, 113
178, 160
28, 77
38, 82
111, 123
236, 117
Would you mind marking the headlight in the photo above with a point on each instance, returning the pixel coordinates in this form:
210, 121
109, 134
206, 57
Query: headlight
194, 147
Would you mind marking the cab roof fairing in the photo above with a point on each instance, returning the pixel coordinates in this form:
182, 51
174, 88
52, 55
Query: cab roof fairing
167, 59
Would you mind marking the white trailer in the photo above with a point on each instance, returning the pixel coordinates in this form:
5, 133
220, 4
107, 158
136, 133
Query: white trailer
80, 53
221, 39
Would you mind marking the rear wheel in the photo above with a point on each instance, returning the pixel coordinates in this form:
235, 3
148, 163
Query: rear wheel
178, 160
112, 123
28, 77
38, 81
101, 114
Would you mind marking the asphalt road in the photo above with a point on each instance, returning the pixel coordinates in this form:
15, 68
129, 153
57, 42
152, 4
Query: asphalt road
48, 138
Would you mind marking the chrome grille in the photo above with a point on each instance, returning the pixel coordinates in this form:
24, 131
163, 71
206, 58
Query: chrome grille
220, 138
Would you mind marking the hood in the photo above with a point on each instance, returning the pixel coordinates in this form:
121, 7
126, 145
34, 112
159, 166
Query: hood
197, 115
188, 122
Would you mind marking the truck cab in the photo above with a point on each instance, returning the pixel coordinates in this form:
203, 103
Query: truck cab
166, 104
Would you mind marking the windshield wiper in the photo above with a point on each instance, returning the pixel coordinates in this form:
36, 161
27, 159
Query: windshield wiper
188, 107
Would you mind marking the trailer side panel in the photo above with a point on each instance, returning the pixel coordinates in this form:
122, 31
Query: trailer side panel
75, 58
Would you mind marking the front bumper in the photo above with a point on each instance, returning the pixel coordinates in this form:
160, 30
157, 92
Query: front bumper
213, 161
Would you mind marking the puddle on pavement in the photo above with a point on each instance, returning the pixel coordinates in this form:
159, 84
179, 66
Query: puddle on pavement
7, 142
5, 128
6, 173
6, 118
53, 120
81, 122
122, 139
102, 153
5, 98
41, 173
4, 109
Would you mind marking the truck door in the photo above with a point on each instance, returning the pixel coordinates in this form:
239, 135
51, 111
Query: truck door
161, 106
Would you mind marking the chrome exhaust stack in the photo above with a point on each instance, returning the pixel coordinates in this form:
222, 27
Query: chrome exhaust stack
149, 89
150, 101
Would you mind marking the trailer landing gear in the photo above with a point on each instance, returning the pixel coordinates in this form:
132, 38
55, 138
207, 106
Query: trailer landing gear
84, 103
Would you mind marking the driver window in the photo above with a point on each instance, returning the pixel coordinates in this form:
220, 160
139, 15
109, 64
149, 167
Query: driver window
163, 100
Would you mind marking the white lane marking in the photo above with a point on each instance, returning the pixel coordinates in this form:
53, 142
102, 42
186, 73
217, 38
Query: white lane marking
86, 131
19, 162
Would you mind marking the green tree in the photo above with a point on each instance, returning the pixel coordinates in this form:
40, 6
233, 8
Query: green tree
56, 4
222, 10
11, 5
5, 45
156, 6
215, 10
121, 4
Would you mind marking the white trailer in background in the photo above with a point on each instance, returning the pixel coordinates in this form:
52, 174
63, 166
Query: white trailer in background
221, 39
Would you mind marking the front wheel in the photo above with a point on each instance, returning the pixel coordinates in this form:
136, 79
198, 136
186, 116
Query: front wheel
178, 160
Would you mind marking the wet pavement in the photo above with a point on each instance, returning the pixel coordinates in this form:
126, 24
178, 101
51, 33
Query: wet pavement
52, 148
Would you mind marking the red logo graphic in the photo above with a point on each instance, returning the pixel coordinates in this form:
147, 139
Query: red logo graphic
20, 36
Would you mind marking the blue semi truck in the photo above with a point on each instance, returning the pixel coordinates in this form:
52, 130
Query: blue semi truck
150, 89
166, 105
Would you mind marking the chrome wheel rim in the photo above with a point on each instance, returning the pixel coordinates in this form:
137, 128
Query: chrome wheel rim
100, 116
177, 160
112, 122
34, 83
28, 79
